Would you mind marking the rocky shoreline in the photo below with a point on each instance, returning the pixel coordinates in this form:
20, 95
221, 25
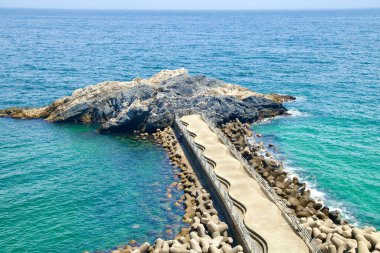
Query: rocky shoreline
205, 232
150, 105
331, 233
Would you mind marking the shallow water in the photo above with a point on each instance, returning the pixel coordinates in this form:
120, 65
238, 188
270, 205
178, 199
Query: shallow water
66, 188
336, 153
329, 59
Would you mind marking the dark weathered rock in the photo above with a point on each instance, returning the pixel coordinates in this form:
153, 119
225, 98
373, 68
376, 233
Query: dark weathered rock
148, 104
335, 216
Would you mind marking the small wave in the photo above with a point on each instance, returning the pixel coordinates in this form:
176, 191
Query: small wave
296, 113
346, 214
265, 121
290, 113
319, 195
316, 194
136, 226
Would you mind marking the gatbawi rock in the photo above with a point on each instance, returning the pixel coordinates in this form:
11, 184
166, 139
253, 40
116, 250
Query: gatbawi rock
150, 104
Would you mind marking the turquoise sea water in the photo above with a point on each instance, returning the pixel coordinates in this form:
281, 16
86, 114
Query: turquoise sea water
65, 187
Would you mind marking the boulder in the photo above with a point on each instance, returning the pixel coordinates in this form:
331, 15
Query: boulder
335, 216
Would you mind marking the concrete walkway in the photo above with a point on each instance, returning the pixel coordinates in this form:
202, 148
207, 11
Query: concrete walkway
262, 216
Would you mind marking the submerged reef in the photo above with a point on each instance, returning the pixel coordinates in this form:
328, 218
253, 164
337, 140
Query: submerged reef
150, 104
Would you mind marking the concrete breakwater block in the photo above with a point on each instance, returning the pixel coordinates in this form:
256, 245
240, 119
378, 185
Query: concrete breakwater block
331, 233
206, 232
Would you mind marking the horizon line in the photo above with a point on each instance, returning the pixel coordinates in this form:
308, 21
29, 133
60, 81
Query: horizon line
140, 9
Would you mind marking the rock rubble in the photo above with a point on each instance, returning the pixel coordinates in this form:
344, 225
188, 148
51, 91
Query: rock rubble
206, 233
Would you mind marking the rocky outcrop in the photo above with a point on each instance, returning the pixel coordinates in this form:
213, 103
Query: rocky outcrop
148, 104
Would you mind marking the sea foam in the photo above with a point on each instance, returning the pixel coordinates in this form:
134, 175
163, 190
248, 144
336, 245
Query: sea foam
296, 113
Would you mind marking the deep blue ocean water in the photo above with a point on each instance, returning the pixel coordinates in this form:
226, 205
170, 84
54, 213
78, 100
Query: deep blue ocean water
66, 188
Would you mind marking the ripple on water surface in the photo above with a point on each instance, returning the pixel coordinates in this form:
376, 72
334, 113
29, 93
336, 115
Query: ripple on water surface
336, 154
329, 58
66, 188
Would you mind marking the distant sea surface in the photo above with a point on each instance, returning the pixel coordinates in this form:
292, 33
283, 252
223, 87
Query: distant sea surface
66, 188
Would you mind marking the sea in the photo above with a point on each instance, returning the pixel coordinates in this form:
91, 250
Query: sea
67, 188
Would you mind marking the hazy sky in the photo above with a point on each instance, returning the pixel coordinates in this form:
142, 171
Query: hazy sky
192, 4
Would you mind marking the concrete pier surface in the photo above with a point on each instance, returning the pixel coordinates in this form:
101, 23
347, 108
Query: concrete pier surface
261, 215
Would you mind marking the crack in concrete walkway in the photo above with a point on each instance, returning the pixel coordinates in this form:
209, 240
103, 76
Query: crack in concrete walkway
262, 215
